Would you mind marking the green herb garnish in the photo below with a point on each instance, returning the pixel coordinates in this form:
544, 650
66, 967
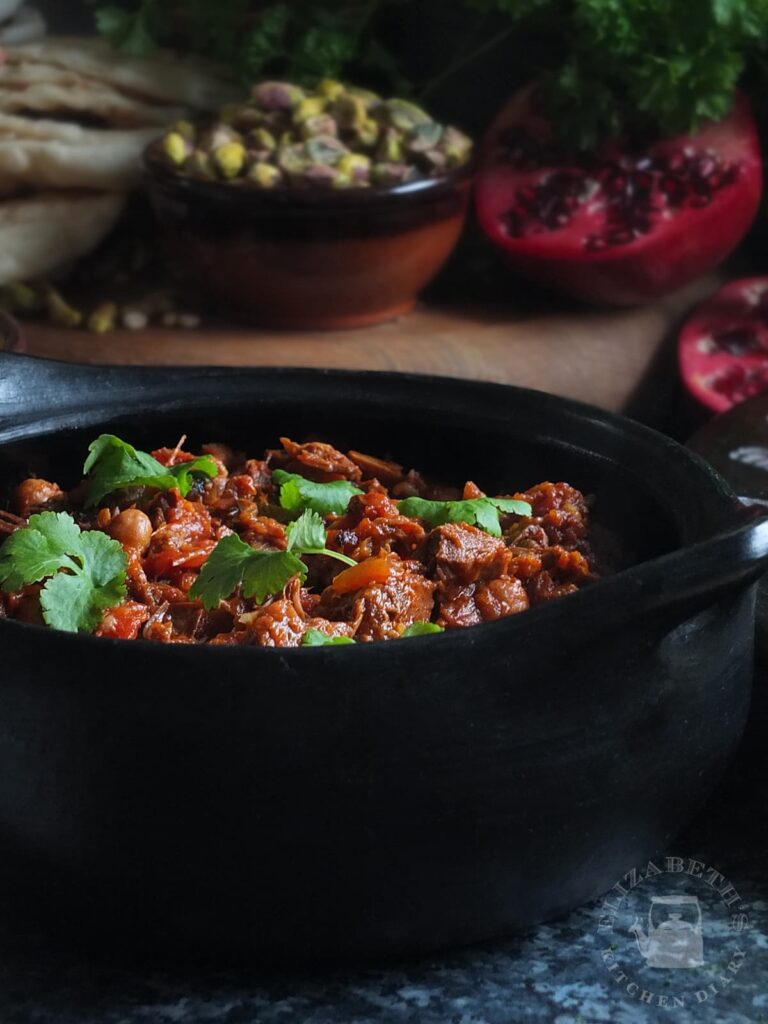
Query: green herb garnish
480, 512
113, 465
85, 570
303, 39
298, 493
233, 564
421, 629
608, 66
314, 638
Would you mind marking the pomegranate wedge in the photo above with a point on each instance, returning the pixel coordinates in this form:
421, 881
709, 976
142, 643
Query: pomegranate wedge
723, 347
624, 225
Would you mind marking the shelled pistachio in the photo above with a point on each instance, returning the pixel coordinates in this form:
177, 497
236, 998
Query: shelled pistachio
334, 136
40, 300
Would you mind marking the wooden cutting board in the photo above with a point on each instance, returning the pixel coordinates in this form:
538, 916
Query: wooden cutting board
607, 358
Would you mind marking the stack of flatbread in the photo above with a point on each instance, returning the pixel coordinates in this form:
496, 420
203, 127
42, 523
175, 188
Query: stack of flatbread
75, 117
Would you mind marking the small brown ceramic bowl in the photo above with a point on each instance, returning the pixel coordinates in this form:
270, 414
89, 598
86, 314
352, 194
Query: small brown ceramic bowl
312, 259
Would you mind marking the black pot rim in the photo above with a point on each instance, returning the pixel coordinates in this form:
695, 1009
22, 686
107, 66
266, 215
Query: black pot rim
579, 606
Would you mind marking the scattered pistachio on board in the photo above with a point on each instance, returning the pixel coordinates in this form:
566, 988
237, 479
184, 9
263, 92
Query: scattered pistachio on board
334, 136
42, 300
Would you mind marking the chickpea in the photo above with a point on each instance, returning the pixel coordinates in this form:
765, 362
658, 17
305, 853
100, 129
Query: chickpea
33, 494
132, 528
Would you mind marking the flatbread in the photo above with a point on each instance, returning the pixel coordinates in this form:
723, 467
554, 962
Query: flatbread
83, 97
162, 78
15, 126
48, 230
60, 156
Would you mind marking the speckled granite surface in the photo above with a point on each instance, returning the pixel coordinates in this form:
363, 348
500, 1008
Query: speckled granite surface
567, 972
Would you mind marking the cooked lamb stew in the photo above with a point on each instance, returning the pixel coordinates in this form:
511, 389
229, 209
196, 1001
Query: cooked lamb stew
305, 546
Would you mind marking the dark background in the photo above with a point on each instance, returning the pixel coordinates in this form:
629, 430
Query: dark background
66, 15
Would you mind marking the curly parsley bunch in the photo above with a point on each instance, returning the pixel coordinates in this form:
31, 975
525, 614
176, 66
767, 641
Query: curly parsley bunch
610, 66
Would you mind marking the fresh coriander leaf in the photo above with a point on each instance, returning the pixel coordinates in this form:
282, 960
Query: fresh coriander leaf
39, 550
76, 603
314, 638
421, 629
85, 570
103, 557
298, 493
306, 536
307, 533
480, 512
222, 572
113, 465
514, 506
184, 472
486, 517
233, 564
268, 573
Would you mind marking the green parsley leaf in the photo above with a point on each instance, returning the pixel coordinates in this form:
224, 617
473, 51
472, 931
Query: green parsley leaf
135, 33
298, 493
233, 564
421, 629
480, 512
608, 67
266, 39
85, 570
314, 638
112, 22
113, 465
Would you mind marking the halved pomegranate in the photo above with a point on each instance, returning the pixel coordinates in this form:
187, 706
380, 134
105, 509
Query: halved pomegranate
627, 224
723, 348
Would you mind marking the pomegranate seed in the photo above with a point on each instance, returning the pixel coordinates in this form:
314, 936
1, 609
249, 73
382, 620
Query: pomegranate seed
625, 191
705, 166
594, 243
616, 238
737, 341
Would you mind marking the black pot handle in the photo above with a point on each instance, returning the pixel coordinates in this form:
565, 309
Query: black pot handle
683, 582
691, 578
33, 389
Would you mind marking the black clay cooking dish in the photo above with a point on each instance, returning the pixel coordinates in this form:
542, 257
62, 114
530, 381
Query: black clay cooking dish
384, 798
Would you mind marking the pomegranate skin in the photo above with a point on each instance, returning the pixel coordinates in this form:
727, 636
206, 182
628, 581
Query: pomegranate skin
682, 243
